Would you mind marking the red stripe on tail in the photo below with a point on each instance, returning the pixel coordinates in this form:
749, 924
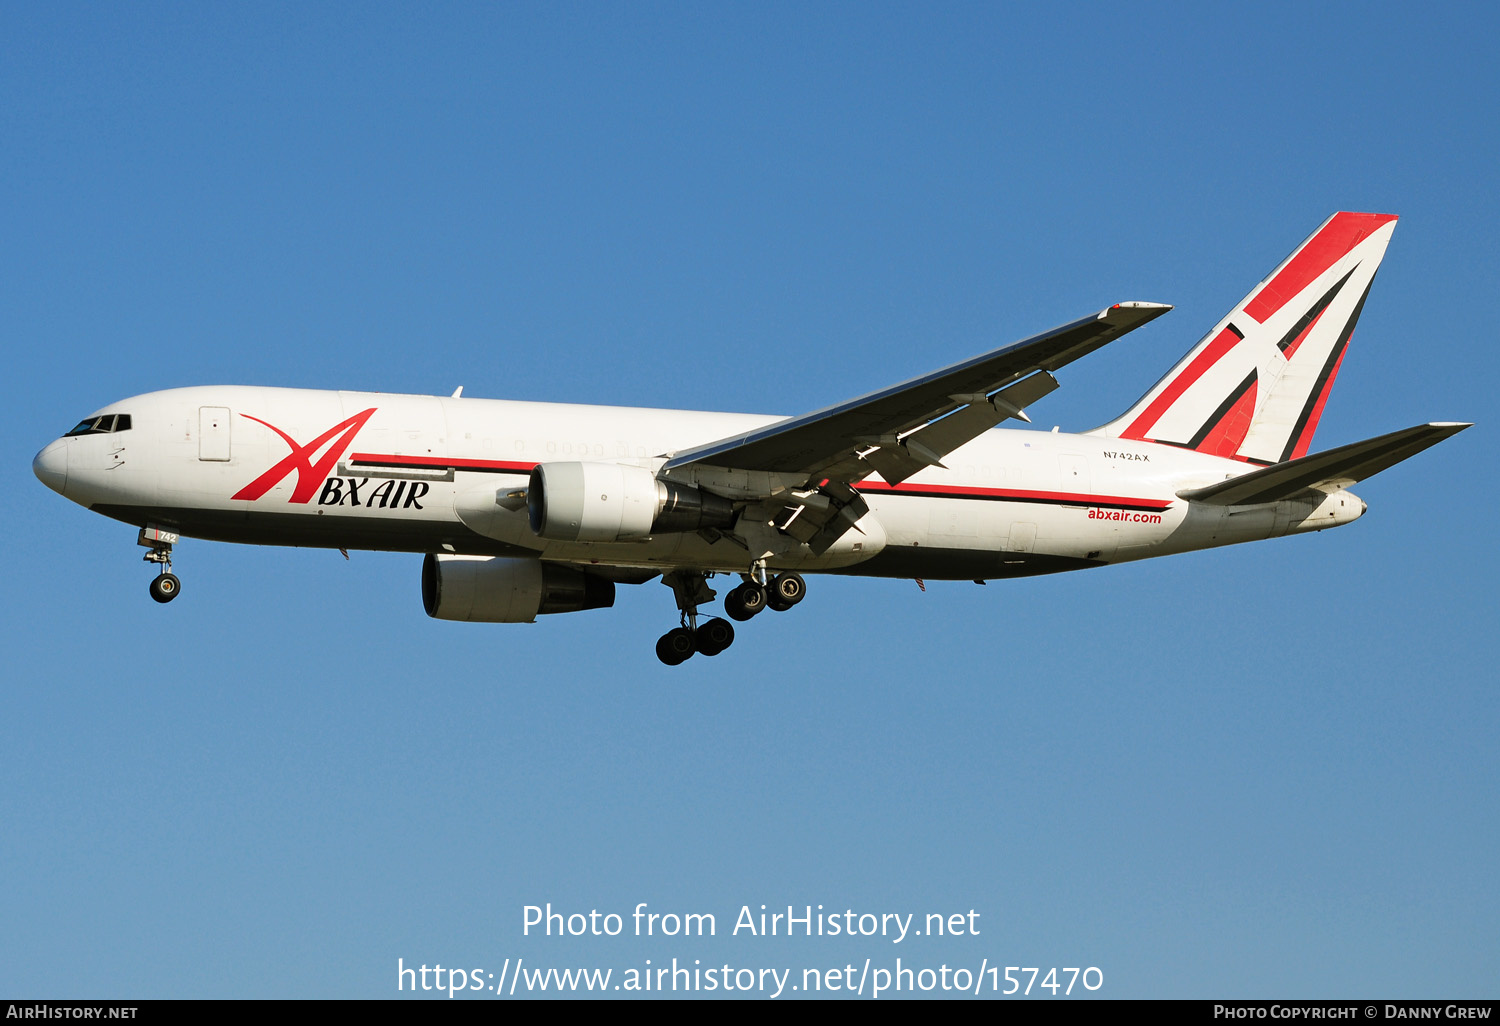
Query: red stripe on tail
1229, 433
1342, 233
1226, 341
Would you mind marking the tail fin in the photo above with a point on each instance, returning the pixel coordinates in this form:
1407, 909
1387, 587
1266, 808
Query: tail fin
1253, 389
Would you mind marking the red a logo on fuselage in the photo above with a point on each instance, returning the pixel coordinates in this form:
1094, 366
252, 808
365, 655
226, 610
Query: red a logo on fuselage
309, 474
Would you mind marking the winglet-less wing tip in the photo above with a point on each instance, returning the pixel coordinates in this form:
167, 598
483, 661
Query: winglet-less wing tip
1163, 307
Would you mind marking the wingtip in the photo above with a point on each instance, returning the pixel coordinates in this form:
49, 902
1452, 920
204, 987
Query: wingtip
1138, 311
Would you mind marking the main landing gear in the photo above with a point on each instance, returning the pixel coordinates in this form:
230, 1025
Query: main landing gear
708, 638
780, 593
713, 636
165, 586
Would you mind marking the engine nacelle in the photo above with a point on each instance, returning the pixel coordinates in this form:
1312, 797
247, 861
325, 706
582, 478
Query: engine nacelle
497, 589
605, 502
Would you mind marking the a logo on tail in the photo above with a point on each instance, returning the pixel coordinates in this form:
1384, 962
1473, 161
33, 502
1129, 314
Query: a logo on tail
310, 475
1254, 388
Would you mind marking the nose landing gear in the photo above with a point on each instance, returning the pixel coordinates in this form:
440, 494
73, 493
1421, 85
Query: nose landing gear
165, 586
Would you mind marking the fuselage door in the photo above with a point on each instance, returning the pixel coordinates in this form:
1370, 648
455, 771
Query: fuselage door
213, 433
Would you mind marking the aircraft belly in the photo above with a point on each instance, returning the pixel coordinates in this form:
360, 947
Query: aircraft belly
941, 564
966, 538
261, 527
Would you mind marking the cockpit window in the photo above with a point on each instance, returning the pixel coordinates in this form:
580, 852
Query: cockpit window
107, 424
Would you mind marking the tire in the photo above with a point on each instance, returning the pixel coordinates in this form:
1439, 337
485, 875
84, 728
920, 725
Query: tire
788, 589
750, 598
165, 587
714, 636
744, 602
675, 646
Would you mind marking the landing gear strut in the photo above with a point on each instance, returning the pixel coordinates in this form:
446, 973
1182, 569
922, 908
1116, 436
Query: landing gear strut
709, 638
165, 586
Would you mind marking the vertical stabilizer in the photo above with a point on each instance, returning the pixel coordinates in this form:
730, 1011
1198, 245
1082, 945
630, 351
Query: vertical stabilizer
1254, 388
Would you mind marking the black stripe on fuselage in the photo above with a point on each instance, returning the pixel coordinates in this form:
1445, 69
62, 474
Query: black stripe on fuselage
1089, 501
471, 467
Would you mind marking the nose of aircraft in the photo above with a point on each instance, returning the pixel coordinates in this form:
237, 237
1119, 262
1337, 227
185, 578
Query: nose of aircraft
51, 466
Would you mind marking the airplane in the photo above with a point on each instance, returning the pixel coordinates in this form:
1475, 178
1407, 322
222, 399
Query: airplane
525, 508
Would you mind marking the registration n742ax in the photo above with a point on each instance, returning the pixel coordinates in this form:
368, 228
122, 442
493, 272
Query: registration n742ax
525, 508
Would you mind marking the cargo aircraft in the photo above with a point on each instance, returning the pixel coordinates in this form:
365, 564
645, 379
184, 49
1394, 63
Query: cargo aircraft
526, 508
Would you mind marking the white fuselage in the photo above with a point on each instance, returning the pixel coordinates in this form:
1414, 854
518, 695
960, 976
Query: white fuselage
430, 474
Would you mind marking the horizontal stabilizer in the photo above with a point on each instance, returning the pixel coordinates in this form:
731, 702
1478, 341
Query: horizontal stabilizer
1324, 471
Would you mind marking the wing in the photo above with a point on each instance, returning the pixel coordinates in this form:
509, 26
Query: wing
898, 431
901, 429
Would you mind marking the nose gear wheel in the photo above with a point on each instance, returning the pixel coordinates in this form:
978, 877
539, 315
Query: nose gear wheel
165, 587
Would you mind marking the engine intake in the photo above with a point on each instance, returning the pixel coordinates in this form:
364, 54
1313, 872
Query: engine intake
605, 502
498, 589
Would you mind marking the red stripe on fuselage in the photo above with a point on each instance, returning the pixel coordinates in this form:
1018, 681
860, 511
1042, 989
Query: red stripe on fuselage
1341, 234
440, 462
930, 490
1012, 495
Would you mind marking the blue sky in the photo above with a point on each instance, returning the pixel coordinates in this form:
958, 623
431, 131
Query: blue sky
1263, 771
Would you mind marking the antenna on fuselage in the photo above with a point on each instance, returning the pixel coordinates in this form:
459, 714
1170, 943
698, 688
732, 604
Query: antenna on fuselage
458, 392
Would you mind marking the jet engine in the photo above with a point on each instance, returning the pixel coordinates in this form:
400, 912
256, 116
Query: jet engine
497, 589
605, 502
